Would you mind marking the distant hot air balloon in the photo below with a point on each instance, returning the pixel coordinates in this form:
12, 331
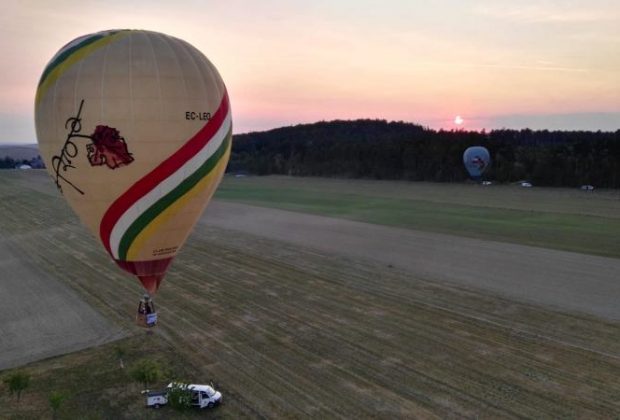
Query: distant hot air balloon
135, 129
476, 160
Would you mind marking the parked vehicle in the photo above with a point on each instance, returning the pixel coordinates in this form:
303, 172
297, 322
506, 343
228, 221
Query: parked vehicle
201, 396
204, 395
156, 399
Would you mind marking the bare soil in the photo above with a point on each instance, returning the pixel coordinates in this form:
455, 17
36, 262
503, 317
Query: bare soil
40, 316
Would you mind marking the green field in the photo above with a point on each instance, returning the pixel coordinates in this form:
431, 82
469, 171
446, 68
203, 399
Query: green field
569, 220
290, 332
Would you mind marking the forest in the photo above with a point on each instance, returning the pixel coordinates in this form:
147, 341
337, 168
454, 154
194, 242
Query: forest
8, 162
378, 149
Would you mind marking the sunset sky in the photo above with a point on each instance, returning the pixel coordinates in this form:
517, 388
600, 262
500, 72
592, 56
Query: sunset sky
540, 64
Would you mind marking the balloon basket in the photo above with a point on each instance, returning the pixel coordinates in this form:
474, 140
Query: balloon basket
147, 320
146, 316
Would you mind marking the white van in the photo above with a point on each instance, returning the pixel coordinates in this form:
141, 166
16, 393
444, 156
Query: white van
202, 396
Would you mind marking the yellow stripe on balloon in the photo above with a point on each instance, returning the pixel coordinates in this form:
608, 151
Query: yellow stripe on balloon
205, 183
74, 58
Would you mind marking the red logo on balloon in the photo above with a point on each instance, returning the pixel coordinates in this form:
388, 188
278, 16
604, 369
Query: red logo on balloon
108, 148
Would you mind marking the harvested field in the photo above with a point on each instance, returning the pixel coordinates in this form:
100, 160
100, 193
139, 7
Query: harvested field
40, 316
297, 330
564, 280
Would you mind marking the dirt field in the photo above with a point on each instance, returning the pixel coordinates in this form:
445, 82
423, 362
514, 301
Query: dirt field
287, 330
39, 315
42, 317
563, 280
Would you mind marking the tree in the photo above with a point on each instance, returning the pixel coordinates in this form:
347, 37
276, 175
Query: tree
7, 163
17, 382
179, 397
56, 399
146, 371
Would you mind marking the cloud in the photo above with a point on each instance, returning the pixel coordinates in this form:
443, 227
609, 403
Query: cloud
539, 65
549, 14
590, 121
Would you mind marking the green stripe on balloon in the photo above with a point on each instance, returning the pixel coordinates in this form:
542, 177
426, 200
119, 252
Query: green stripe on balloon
166, 201
69, 52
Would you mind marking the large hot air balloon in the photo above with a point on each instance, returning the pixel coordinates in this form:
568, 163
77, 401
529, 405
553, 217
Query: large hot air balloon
135, 129
476, 160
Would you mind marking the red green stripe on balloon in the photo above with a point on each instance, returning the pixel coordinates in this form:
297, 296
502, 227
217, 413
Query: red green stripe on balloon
163, 171
166, 201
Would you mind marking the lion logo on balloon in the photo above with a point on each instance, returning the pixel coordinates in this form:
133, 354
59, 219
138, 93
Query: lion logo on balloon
108, 148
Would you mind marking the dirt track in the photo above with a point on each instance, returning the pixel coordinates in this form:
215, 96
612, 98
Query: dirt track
562, 280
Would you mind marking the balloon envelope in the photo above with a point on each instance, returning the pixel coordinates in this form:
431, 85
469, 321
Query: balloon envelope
476, 160
135, 128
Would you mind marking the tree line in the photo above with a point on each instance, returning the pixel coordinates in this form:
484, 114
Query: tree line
9, 163
380, 149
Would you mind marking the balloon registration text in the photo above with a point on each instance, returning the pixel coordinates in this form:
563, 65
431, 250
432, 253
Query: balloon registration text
203, 116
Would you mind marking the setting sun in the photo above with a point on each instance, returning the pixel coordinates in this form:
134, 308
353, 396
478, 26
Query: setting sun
458, 120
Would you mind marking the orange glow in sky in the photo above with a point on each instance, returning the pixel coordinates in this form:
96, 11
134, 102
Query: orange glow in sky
552, 64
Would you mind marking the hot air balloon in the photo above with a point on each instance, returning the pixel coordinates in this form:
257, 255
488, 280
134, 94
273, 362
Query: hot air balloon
135, 129
476, 160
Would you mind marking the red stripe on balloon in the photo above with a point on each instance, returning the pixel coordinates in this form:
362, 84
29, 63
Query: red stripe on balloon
161, 172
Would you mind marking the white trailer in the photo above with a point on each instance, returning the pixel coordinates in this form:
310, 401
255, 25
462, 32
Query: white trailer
156, 399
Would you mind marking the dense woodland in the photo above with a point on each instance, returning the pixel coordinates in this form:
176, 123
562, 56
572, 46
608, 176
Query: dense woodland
396, 150
8, 162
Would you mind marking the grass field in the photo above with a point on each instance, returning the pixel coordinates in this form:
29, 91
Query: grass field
570, 220
289, 332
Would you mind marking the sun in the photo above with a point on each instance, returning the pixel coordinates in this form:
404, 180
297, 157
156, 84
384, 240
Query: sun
458, 120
